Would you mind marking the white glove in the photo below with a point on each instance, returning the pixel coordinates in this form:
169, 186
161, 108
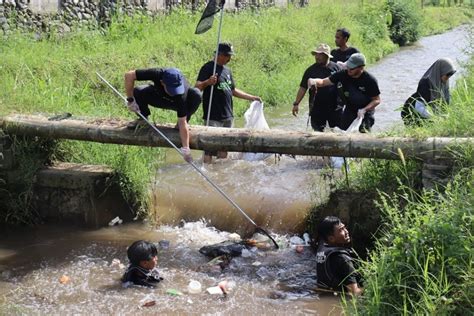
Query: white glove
361, 113
133, 106
186, 154
312, 83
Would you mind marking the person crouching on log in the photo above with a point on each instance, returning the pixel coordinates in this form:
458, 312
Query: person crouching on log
358, 90
170, 90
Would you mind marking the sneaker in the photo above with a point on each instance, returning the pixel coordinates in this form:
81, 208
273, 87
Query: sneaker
138, 123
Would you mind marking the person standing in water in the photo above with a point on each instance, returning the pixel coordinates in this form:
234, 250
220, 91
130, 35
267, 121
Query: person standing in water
334, 260
432, 92
343, 52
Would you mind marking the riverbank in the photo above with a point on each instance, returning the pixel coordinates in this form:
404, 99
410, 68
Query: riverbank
421, 262
57, 74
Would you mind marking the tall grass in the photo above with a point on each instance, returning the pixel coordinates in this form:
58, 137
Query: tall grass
422, 261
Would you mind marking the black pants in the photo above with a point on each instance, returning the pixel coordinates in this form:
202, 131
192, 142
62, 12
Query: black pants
322, 114
350, 114
146, 95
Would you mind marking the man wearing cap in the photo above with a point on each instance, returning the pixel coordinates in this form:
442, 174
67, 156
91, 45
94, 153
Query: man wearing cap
221, 114
323, 105
358, 90
343, 52
170, 90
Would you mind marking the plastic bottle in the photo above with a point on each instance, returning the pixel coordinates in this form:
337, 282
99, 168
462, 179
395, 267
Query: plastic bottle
194, 287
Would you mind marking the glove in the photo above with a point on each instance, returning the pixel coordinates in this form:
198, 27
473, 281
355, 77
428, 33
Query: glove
133, 106
361, 113
312, 83
186, 154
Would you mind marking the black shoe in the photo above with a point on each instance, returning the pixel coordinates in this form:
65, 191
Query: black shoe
138, 123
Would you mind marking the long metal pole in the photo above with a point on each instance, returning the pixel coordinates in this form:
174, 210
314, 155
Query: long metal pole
215, 61
179, 151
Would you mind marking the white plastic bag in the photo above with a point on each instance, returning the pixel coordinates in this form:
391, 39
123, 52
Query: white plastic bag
420, 107
255, 119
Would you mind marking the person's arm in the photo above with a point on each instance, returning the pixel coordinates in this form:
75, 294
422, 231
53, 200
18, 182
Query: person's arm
184, 136
299, 96
372, 104
319, 82
244, 95
354, 289
130, 78
201, 85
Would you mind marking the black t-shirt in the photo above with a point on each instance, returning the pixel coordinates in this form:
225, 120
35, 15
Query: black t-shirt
335, 268
222, 105
339, 55
326, 96
356, 93
140, 276
177, 102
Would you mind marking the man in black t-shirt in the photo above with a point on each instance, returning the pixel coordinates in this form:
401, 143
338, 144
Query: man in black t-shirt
358, 90
221, 114
334, 260
343, 52
323, 105
170, 90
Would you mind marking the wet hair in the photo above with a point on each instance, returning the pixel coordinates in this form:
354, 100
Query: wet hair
141, 250
345, 32
326, 227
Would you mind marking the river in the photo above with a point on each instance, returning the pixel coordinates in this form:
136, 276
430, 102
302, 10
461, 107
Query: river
276, 193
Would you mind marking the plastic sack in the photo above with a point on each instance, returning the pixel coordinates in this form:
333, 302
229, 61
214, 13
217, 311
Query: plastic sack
255, 119
420, 107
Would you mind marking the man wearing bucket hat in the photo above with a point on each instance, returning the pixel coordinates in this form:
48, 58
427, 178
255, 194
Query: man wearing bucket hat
221, 114
358, 90
323, 105
170, 90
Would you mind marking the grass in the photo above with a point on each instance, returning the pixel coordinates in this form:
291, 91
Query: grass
56, 73
422, 260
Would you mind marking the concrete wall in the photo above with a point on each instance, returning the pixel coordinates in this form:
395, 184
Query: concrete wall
45, 15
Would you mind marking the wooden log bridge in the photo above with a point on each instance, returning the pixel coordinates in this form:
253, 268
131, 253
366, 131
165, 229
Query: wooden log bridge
113, 131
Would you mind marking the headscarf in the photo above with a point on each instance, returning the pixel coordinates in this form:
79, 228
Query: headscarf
439, 89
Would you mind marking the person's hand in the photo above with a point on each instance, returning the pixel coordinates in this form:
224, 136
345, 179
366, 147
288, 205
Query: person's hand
256, 98
186, 154
295, 109
312, 84
361, 113
212, 80
133, 106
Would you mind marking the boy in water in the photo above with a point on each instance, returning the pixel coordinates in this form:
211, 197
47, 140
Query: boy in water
143, 257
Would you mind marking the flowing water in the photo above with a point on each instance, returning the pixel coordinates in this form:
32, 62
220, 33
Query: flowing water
62, 270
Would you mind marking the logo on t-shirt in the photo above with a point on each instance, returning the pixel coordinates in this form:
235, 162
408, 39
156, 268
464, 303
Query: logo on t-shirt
362, 88
225, 85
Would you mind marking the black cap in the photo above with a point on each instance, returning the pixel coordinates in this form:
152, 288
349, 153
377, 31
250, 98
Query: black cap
226, 49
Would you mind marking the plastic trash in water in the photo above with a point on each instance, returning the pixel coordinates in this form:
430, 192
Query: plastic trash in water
295, 240
246, 253
234, 237
307, 239
194, 287
173, 292
226, 286
115, 221
213, 290
164, 244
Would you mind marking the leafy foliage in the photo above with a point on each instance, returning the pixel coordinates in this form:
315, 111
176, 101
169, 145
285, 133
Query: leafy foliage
406, 21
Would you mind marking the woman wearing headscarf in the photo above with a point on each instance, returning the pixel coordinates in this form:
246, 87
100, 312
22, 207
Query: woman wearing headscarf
433, 89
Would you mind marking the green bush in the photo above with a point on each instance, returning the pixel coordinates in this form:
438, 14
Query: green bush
406, 21
423, 263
